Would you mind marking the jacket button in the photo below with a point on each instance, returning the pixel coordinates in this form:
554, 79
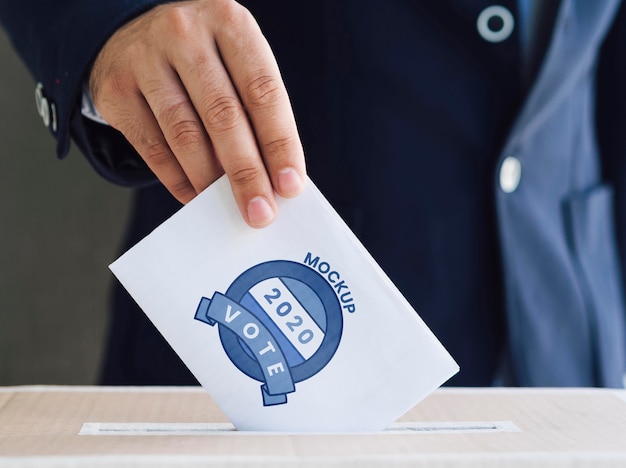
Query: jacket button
43, 107
53, 115
510, 174
495, 23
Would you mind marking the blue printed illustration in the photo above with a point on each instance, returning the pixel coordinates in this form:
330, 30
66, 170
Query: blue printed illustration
279, 323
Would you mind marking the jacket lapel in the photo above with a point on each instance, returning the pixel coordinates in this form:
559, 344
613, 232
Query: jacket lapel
578, 30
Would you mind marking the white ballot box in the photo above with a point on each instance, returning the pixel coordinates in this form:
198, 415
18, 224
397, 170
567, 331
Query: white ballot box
162, 427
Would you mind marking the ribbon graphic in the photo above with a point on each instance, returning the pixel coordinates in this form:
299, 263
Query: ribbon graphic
260, 342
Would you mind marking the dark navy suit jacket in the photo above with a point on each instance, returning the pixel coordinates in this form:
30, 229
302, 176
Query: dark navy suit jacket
410, 120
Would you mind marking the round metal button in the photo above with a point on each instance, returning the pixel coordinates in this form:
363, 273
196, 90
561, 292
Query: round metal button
43, 108
510, 174
495, 23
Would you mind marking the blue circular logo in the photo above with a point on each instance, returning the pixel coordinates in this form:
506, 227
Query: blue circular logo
279, 322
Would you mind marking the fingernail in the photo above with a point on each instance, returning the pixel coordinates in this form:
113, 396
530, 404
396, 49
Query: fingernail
289, 182
260, 212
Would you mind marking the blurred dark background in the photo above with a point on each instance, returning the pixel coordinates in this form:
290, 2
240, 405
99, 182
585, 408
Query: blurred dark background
60, 227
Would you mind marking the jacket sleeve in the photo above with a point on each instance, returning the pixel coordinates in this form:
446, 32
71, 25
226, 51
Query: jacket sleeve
58, 42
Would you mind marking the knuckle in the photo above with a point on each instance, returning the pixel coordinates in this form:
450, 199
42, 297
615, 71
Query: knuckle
182, 190
177, 19
235, 23
279, 146
153, 88
263, 91
233, 15
114, 113
223, 113
155, 153
110, 75
246, 175
119, 85
186, 135
182, 132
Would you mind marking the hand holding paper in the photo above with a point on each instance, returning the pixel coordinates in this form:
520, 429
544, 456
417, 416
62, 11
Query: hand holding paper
195, 88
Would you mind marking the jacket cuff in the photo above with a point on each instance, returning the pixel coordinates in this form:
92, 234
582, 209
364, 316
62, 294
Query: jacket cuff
59, 43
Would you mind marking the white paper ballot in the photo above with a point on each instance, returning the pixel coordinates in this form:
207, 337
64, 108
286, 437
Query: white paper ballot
293, 327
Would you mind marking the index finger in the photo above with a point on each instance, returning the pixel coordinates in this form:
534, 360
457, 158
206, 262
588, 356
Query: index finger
255, 73
200, 67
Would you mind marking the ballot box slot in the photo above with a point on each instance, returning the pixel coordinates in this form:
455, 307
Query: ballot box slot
171, 429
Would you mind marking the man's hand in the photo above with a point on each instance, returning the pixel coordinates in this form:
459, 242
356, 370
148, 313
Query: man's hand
195, 88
